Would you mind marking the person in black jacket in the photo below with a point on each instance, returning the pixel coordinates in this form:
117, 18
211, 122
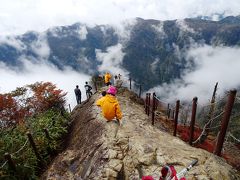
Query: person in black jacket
78, 94
88, 89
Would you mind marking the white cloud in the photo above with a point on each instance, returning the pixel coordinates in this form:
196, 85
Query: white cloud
13, 42
83, 32
19, 16
40, 46
65, 80
184, 27
123, 30
154, 64
111, 60
159, 28
213, 64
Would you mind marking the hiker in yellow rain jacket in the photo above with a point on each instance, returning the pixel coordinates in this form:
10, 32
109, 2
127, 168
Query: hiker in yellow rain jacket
107, 78
110, 106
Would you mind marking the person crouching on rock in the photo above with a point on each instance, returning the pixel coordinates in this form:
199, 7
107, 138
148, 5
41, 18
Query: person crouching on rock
110, 105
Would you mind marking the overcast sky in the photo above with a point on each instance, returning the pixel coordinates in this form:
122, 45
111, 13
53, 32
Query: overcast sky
18, 16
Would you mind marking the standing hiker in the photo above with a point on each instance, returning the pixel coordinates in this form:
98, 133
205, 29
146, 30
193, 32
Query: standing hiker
78, 94
110, 106
117, 82
107, 78
119, 76
88, 89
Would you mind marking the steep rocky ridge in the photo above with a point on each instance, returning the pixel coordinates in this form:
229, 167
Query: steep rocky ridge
94, 152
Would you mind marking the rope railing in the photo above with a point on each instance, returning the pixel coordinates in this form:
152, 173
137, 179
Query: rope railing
238, 98
12, 154
220, 100
207, 105
205, 127
231, 135
2, 166
23, 146
215, 127
221, 113
161, 101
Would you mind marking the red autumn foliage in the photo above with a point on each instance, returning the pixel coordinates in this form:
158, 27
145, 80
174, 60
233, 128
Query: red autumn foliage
29, 100
8, 109
184, 133
46, 96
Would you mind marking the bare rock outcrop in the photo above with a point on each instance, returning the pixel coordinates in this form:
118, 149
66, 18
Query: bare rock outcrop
100, 150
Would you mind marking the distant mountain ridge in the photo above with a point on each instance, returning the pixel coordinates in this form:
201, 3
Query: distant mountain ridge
152, 48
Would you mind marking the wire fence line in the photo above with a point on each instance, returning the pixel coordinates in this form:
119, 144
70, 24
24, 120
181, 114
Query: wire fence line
205, 127
19, 150
162, 101
217, 101
238, 98
221, 113
231, 135
23, 146
215, 127
2, 166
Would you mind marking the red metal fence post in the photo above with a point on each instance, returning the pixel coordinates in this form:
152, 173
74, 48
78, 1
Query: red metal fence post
146, 104
169, 112
140, 91
168, 108
149, 102
153, 107
225, 120
194, 109
130, 79
176, 117
33, 145
11, 164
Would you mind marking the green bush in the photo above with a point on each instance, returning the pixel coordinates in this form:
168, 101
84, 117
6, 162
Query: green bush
12, 139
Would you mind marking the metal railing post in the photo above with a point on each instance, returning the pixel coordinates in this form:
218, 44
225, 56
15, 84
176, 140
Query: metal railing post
153, 108
176, 117
140, 91
225, 120
130, 79
11, 164
194, 109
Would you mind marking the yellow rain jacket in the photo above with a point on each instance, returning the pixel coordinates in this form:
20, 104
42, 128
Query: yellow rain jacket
107, 77
110, 107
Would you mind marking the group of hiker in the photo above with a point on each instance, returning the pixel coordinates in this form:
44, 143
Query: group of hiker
117, 81
78, 92
108, 102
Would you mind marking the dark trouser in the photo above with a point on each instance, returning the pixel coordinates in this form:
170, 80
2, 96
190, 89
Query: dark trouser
78, 99
89, 94
108, 83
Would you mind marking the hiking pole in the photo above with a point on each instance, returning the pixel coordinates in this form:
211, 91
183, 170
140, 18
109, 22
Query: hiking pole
182, 173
